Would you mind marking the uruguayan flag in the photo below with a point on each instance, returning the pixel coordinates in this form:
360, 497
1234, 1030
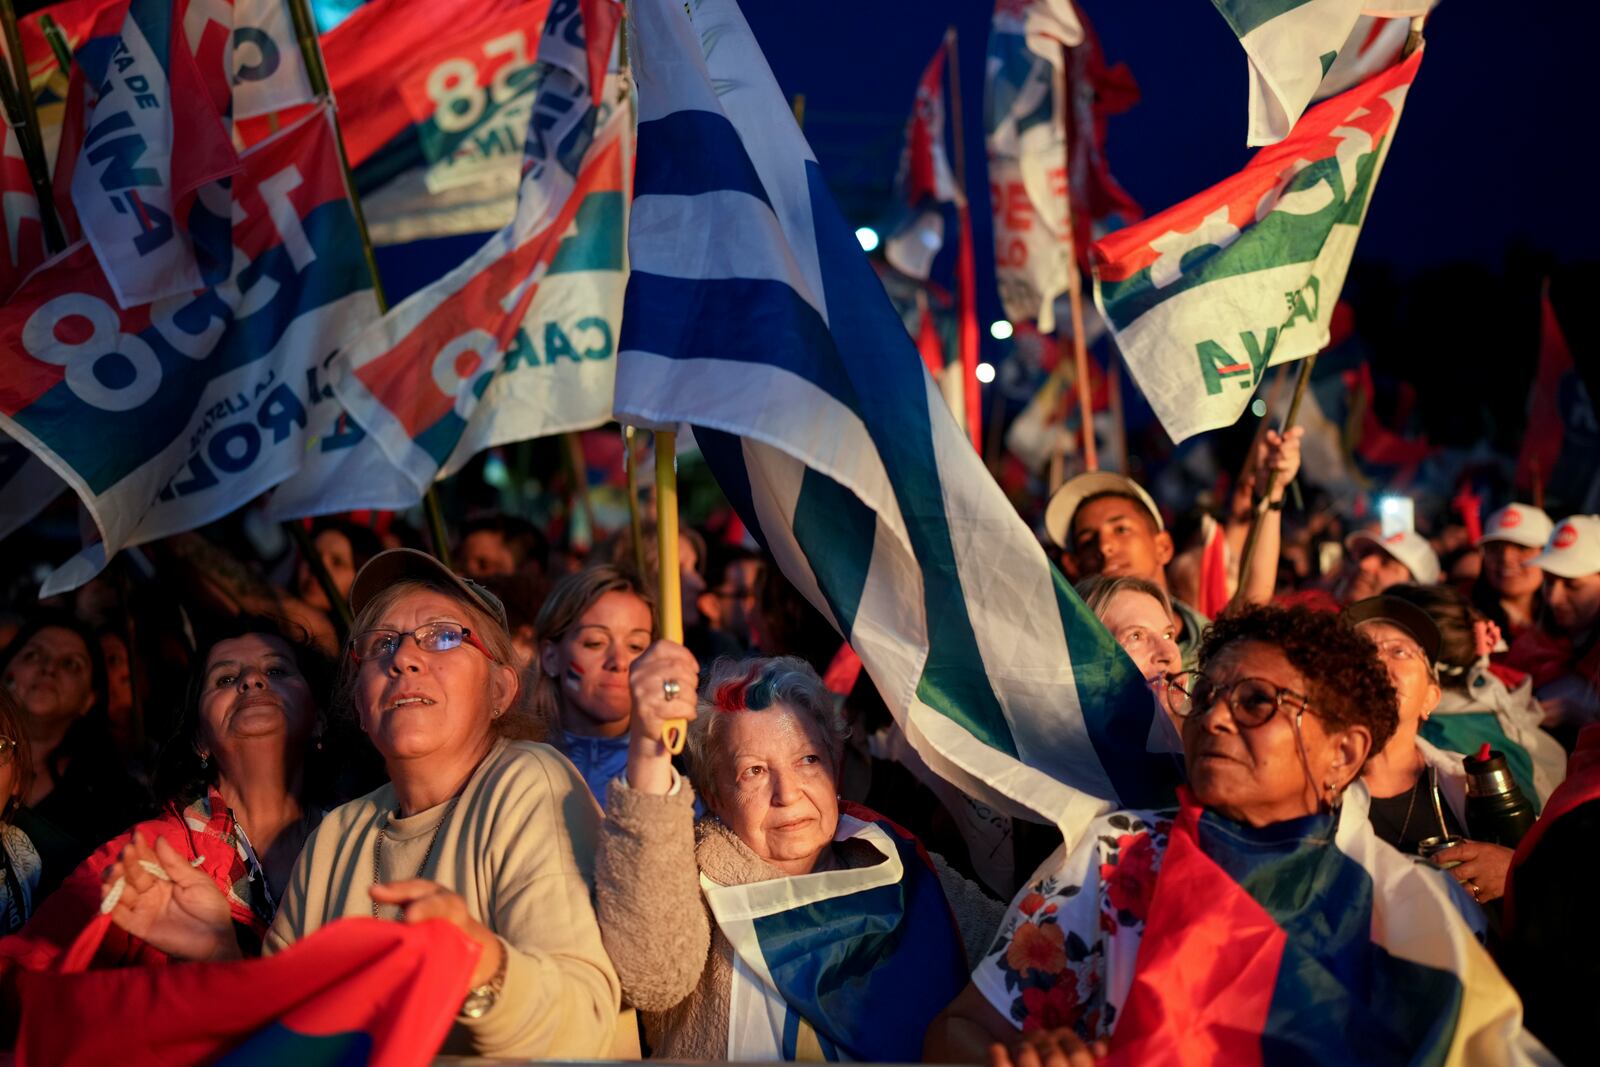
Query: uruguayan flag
752, 314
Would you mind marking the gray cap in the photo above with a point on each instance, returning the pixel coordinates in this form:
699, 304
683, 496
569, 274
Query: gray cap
402, 564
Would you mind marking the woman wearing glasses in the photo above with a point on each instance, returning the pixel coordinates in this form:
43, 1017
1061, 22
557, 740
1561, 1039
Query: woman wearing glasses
1271, 835
492, 834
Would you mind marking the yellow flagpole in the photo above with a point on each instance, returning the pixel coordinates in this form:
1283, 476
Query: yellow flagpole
670, 604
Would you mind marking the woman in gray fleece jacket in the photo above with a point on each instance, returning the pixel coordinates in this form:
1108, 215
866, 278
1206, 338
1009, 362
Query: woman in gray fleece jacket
779, 926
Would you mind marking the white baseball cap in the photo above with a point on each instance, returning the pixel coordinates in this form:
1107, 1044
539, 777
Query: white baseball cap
1407, 546
1520, 524
1074, 491
1573, 550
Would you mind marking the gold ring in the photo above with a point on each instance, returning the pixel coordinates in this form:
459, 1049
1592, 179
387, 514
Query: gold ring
670, 689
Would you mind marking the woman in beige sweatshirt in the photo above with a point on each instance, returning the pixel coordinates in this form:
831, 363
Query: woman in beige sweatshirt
784, 925
494, 835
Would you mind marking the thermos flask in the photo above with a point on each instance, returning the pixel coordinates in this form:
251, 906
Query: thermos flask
1497, 812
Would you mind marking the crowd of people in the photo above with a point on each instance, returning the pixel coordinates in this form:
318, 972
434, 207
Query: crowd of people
368, 732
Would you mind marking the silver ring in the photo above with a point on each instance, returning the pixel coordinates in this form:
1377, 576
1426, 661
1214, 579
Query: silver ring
670, 689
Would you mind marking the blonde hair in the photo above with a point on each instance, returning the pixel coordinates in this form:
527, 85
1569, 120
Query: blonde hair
515, 724
1097, 592
569, 598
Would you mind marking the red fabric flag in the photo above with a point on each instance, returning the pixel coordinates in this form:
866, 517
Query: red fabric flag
966, 282
1214, 595
356, 991
1541, 443
1099, 203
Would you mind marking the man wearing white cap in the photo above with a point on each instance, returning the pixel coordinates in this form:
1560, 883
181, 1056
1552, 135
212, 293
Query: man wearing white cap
1379, 561
1571, 565
1508, 589
1107, 524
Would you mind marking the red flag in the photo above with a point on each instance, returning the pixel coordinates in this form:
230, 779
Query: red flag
1541, 443
356, 991
1214, 594
966, 282
23, 245
1099, 203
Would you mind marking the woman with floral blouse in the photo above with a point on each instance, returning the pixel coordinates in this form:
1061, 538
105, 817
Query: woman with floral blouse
1285, 709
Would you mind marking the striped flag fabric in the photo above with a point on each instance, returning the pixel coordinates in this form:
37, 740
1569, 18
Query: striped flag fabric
1206, 295
22, 242
434, 100
799, 992
1025, 131
168, 416
1375, 44
1291, 45
518, 341
154, 141
1321, 946
752, 314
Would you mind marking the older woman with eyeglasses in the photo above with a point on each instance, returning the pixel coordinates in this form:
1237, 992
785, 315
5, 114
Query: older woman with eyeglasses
492, 834
1157, 916
1419, 793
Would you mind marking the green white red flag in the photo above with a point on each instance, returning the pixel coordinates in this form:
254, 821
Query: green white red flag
1291, 45
1206, 295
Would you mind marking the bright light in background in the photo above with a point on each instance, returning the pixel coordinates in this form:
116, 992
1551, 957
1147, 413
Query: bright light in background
868, 238
985, 372
1000, 329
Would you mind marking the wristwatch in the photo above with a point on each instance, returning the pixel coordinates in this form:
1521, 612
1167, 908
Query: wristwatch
481, 998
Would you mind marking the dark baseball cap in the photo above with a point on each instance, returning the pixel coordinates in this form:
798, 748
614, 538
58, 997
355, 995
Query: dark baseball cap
1402, 613
407, 564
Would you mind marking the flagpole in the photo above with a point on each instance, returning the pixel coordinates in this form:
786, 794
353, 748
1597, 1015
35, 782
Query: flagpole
1080, 351
670, 602
580, 478
58, 43
17, 91
1262, 507
319, 571
630, 460
967, 299
305, 31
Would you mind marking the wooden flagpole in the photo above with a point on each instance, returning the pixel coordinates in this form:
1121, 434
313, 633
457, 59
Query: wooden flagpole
967, 339
17, 92
305, 30
1080, 351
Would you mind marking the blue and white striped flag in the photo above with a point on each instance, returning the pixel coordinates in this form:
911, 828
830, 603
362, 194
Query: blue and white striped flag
752, 314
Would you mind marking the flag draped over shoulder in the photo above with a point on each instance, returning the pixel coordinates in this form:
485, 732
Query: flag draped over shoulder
518, 341
752, 314
358, 991
1027, 148
166, 416
149, 181
800, 992
1310, 942
1291, 45
1204, 296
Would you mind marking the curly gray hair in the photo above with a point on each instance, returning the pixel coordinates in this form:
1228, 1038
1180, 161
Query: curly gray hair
756, 685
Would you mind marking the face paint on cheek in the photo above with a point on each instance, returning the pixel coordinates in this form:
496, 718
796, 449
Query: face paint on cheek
573, 676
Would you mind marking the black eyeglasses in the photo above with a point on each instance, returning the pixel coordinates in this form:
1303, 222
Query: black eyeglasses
431, 637
1251, 701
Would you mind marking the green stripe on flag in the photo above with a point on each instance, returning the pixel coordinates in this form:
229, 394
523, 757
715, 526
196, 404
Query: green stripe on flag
836, 532
1245, 15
